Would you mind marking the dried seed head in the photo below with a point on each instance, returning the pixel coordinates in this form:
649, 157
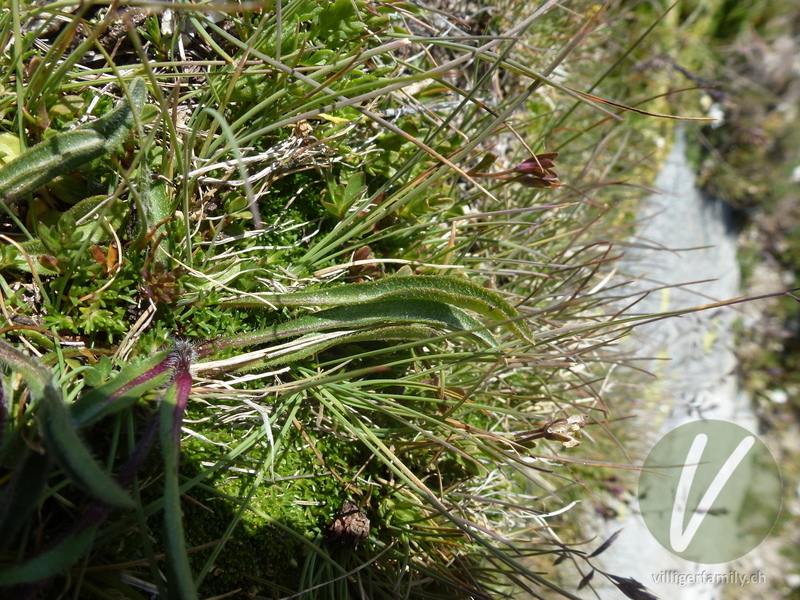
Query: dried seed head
350, 527
567, 431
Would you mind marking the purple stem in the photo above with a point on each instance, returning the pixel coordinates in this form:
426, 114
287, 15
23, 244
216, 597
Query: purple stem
181, 360
160, 368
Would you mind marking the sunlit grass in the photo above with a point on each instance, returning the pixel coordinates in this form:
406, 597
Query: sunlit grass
280, 160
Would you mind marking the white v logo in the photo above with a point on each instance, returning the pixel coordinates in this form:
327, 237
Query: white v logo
678, 538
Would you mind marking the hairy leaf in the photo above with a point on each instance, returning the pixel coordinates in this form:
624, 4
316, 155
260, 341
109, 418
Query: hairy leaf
51, 562
115, 125
451, 290
122, 391
180, 581
378, 313
35, 375
69, 150
66, 446
45, 161
21, 495
306, 346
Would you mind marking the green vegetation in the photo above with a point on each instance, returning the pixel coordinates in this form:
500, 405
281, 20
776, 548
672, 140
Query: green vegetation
311, 299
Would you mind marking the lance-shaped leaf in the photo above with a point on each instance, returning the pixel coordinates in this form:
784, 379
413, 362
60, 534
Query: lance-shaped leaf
62, 440
451, 290
78, 539
377, 313
51, 562
115, 125
47, 160
69, 150
122, 391
20, 496
60, 437
34, 374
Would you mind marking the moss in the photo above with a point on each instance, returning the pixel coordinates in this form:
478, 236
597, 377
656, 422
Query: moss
298, 493
294, 199
256, 552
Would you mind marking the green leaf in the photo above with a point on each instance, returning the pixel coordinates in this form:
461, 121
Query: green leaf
338, 21
344, 196
69, 150
457, 292
9, 147
115, 125
354, 190
258, 360
115, 213
159, 207
51, 562
62, 440
21, 495
67, 106
122, 391
35, 375
48, 159
378, 313
95, 376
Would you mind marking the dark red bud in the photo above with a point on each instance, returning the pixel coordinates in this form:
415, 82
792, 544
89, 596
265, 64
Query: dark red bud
537, 164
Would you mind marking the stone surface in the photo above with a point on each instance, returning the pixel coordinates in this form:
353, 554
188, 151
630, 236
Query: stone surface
683, 237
